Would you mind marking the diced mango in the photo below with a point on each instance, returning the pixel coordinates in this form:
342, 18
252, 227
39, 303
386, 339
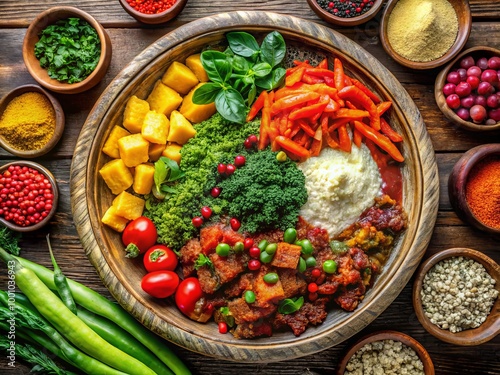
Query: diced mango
193, 62
163, 99
173, 151
143, 178
133, 150
112, 220
180, 78
196, 112
134, 113
155, 151
116, 175
128, 205
110, 147
155, 127
181, 129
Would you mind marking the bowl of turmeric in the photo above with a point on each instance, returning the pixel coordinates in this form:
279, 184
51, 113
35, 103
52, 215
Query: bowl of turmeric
31, 121
425, 34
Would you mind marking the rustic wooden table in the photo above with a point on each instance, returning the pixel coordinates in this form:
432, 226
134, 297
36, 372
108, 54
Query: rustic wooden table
128, 39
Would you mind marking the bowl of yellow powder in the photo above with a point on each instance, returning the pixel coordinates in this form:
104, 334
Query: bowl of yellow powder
425, 34
31, 121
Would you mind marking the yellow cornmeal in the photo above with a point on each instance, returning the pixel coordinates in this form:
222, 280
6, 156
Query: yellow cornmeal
422, 30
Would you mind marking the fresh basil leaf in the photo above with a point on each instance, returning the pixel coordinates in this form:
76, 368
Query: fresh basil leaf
231, 105
273, 48
167, 189
241, 64
275, 79
206, 93
290, 305
217, 65
242, 43
252, 94
248, 80
160, 174
262, 69
174, 170
203, 260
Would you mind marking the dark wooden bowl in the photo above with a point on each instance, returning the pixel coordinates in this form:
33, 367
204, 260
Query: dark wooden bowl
40, 74
486, 331
464, 26
90, 197
342, 21
476, 52
60, 122
388, 335
53, 182
457, 184
155, 19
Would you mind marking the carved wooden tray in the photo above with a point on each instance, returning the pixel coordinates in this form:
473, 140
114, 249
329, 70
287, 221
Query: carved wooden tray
122, 276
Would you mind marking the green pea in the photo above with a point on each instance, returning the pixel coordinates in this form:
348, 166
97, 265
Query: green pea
238, 247
271, 278
271, 248
310, 262
307, 248
262, 245
265, 257
330, 266
223, 249
290, 235
302, 265
281, 156
249, 296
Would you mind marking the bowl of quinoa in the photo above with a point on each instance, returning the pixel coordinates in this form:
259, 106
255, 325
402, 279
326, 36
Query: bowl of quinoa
455, 296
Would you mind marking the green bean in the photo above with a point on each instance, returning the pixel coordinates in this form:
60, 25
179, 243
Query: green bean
100, 305
61, 283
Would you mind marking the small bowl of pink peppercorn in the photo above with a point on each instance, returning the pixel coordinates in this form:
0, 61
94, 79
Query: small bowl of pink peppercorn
28, 196
467, 90
346, 13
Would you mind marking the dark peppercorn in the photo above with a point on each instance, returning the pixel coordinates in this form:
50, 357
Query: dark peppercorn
346, 8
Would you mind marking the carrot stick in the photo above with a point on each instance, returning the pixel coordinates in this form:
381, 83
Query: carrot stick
366, 90
389, 132
357, 138
383, 107
359, 98
339, 76
292, 147
295, 76
344, 140
257, 105
380, 140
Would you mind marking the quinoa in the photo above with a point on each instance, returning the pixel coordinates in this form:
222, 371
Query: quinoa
385, 357
458, 294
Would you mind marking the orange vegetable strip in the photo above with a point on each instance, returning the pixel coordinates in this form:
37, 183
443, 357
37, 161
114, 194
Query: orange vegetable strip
332, 106
289, 91
310, 79
319, 134
318, 72
316, 146
383, 107
351, 113
292, 147
297, 64
326, 134
294, 129
380, 140
339, 76
291, 101
336, 123
295, 76
265, 122
306, 127
347, 80
349, 105
389, 132
323, 64
257, 105
329, 81
366, 90
357, 138
359, 98
309, 110
344, 140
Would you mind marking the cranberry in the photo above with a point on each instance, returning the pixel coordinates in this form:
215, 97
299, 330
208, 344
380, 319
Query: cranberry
474, 71
215, 192
467, 62
230, 168
248, 243
253, 264
468, 101
463, 89
478, 113
482, 63
254, 252
312, 287
197, 221
221, 168
206, 212
473, 81
453, 101
239, 161
222, 327
235, 224
449, 88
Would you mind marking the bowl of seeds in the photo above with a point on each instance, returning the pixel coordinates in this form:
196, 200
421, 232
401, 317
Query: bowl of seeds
455, 296
345, 13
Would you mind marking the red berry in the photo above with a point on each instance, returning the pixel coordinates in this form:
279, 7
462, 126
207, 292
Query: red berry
235, 224
230, 168
221, 168
223, 327
316, 272
197, 221
254, 252
239, 161
253, 264
215, 192
206, 212
312, 287
248, 243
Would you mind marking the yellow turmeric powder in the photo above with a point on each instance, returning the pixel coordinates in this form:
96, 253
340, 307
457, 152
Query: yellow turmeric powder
28, 121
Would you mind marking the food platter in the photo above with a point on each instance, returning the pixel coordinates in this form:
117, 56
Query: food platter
89, 196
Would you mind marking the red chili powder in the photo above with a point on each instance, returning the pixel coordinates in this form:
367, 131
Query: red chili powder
482, 191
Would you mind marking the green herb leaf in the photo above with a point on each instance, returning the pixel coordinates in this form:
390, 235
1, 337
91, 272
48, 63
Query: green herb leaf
206, 93
166, 172
9, 240
261, 69
290, 305
217, 65
231, 105
202, 261
243, 44
273, 48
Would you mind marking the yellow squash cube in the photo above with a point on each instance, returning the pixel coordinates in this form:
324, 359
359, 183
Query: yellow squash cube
134, 113
133, 150
116, 175
143, 178
110, 147
112, 220
155, 127
180, 78
128, 205
173, 151
196, 112
163, 99
181, 129
155, 151
193, 62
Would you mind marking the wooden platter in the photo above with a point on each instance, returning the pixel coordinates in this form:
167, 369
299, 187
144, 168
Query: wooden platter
90, 197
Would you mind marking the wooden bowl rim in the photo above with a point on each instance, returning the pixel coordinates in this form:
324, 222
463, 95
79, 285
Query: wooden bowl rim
471, 337
41, 75
59, 120
441, 100
258, 350
154, 19
388, 335
53, 182
462, 37
340, 21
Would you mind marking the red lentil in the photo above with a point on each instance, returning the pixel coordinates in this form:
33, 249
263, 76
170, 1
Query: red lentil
151, 6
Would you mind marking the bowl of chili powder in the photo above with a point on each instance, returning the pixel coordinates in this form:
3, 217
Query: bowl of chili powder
474, 187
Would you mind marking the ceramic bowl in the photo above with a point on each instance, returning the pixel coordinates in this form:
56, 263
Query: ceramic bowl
457, 183
388, 335
488, 329
157, 18
476, 52
51, 178
343, 21
49, 17
462, 10
59, 116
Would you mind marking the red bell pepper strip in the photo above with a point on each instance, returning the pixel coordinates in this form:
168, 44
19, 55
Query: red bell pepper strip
318, 72
383, 107
389, 132
344, 140
366, 90
292, 147
339, 75
310, 79
295, 76
310, 110
292, 101
257, 105
358, 97
380, 140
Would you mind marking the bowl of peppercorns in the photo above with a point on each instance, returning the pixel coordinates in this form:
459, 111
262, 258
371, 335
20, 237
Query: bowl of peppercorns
28, 196
153, 11
345, 13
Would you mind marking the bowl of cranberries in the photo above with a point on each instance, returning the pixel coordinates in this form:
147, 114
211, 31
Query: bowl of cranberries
467, 90
28, 195
346, 13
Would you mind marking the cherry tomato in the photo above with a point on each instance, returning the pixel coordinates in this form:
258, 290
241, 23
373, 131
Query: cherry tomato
139, 235
160, 258
188, 293
160, 284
